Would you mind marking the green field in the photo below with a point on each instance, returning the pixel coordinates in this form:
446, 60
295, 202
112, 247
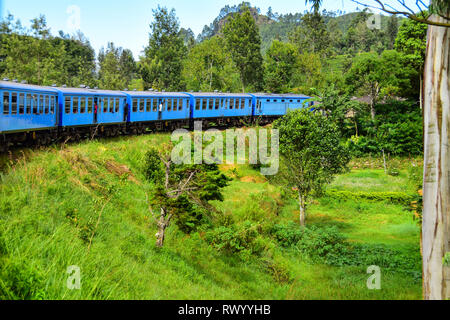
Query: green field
86, 205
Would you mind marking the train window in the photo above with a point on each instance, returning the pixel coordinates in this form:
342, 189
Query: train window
52, 105
169, 104
21, 103
175, 104
5, 102
148, 103
117, 104
218, 103
291, 101
106, 105
47, 104
135, 104
231, 104
75, 104
82, 105
27, 103
41, 109
275, 100
210, 104
141, 105
268, 100
13, 103
198, 104
155, 105
68, 103
89, 105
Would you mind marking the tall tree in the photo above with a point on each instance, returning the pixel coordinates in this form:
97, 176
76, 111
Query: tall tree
377, 76
163, 62
312, 35
117, 68
412, 41
244, 42
209, 67
281, 63
311, 153
392, 31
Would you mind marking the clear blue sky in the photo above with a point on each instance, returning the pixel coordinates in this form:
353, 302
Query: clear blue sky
126, 23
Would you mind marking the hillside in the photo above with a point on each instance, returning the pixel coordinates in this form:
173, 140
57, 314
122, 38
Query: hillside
274, 26
86, 205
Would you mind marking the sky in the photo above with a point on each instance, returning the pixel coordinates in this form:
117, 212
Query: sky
126, 23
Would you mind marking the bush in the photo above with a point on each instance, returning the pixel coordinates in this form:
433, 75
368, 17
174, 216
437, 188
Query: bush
287, 234
236, 239
393, 197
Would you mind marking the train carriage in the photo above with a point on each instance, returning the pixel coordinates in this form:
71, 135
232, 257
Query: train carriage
152, 106
277, 105
218, 106
77, 107
26, 107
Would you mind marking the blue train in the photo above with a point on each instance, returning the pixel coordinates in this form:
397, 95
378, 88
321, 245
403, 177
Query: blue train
37, 115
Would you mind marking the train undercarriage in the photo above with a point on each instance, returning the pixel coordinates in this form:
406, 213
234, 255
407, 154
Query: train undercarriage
46, 137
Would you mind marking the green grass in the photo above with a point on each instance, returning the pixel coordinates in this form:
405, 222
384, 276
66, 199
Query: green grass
63, 207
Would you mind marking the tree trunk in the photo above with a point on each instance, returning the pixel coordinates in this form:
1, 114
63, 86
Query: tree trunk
302, 205
436, 186
163, 223
372, 108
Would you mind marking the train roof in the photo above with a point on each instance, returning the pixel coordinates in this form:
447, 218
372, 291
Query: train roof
152, 94
24, 87
219, 95
281, 96
88, 92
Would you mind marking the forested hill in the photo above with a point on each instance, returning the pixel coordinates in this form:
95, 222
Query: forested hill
274, 26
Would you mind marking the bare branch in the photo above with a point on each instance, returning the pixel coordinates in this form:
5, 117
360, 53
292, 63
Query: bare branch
409, 13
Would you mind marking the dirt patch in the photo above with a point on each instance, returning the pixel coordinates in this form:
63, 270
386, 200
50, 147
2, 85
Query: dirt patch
121, 171
251, 179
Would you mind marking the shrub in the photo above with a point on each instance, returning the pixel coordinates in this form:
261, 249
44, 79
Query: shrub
236, 239
393, 197
287, 234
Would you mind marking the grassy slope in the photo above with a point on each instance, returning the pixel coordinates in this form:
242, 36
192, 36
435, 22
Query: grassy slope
53, 201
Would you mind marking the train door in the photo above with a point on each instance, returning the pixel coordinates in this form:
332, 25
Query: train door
125, 110
96, 108
160, 108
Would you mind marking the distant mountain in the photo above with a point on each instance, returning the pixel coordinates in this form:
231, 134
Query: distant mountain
277, 26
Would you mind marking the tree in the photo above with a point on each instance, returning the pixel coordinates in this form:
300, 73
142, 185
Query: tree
280, 65
33, 58
311, 153
181, 192
209, 67
312, 35
436, 196
392, 31
163, 62
117, 68
376, 76
412, 41
244, 43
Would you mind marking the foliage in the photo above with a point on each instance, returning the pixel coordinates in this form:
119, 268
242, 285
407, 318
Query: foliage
183, 191
312, 35
244, 43
311, 152
280, 65
39, 58
209, 67
392, 197
162, 66
117, 68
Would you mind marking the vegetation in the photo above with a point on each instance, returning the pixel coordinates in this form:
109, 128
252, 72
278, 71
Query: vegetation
86, 205
310, 152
